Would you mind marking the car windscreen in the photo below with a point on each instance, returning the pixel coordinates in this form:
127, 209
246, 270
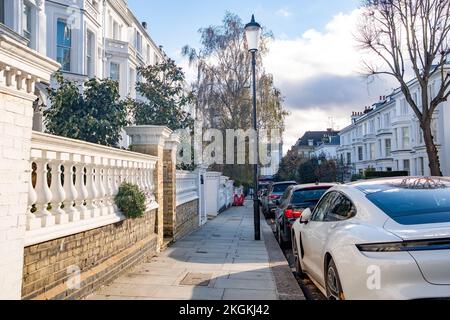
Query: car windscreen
307, 196
414, 206
281, 188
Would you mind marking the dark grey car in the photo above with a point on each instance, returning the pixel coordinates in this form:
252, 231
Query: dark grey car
274, 193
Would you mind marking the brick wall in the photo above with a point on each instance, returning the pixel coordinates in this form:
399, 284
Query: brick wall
101, 255
187, 219
169, 194
15, 139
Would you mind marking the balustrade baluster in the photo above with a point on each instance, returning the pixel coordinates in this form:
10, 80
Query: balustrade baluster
32, 221
71, 192
91, 200
58, 192
44, 195
108, 177
82, 190
99, 179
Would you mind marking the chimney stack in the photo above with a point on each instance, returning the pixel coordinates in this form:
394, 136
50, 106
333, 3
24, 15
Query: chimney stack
144, 24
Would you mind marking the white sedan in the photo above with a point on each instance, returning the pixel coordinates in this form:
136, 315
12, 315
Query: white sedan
378, 239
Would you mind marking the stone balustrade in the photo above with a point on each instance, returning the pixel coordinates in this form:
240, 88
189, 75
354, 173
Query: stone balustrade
186, 187
74, 183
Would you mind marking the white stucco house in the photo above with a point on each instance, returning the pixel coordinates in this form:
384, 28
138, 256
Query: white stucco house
89, 38
387, 136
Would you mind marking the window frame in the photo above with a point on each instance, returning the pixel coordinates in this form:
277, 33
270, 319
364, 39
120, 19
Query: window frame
63, 46
336, 217
330, 195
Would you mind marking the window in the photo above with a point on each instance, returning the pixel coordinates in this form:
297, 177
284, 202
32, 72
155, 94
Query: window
349, 158
2, 11
420, 135
372, 126
26, 22
148, 54
281, 188
116, 31
421, 167
308, 196
405, 138
387, 120
63, 45
389, 169
138, 42
407, 165
372, 151
404, 107
114, 72
409, 206
132, 81
360, 153
388, 147
322, 208
341, 209
90, 54
396, 138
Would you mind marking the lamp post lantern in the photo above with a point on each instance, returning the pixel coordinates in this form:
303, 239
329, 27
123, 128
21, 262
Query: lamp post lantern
253, 35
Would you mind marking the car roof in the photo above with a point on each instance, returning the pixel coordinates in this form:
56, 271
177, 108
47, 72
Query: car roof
386, 184
313, 185
284, 182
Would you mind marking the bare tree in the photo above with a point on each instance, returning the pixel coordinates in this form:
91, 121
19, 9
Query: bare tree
411, 34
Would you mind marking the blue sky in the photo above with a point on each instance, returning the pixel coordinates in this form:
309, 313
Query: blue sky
314, 58
174, 23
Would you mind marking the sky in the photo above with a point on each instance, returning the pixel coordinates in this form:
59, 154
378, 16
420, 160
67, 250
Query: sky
314, 56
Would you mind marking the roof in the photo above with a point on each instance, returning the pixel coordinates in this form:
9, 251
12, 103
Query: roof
313, 185
316, 136
385, 184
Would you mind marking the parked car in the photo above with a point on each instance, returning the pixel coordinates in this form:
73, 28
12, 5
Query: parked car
274, 193
378, 239
294, 201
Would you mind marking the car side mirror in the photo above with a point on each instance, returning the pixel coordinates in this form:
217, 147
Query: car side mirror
306, 216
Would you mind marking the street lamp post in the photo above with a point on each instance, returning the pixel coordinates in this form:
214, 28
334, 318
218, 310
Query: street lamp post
253, 35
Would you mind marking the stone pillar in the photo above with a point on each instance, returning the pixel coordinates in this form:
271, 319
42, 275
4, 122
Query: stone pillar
151, 140
201, 172
20, 68
170, 186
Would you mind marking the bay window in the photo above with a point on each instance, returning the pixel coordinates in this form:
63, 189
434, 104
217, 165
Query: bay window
90, 54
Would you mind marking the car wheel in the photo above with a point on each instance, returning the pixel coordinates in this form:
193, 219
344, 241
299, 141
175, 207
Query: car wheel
280, 238
296, 254
333, 283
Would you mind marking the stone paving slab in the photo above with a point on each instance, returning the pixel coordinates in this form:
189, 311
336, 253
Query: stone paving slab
223, 256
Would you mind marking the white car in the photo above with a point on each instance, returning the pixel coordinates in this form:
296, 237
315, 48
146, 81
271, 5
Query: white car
378, 239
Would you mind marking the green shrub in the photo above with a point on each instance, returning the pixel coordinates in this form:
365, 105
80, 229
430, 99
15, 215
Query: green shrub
357, 177
385, 174
131, 200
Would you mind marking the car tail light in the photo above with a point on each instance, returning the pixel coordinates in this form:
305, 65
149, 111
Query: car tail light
292, 214
413, 245
273, 197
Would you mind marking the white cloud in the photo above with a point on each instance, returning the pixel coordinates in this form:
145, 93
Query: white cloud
314, 62
284, 12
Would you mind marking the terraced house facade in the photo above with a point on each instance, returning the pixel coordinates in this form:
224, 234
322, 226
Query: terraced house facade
388, 137
89, 38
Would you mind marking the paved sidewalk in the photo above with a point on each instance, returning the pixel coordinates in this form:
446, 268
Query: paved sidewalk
221, 261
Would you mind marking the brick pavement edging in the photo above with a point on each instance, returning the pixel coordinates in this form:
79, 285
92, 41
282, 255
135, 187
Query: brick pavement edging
287, 286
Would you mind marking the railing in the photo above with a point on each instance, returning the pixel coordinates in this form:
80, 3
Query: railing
187, 187
73, 185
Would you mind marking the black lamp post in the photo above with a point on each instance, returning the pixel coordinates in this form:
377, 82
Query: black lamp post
253, 34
